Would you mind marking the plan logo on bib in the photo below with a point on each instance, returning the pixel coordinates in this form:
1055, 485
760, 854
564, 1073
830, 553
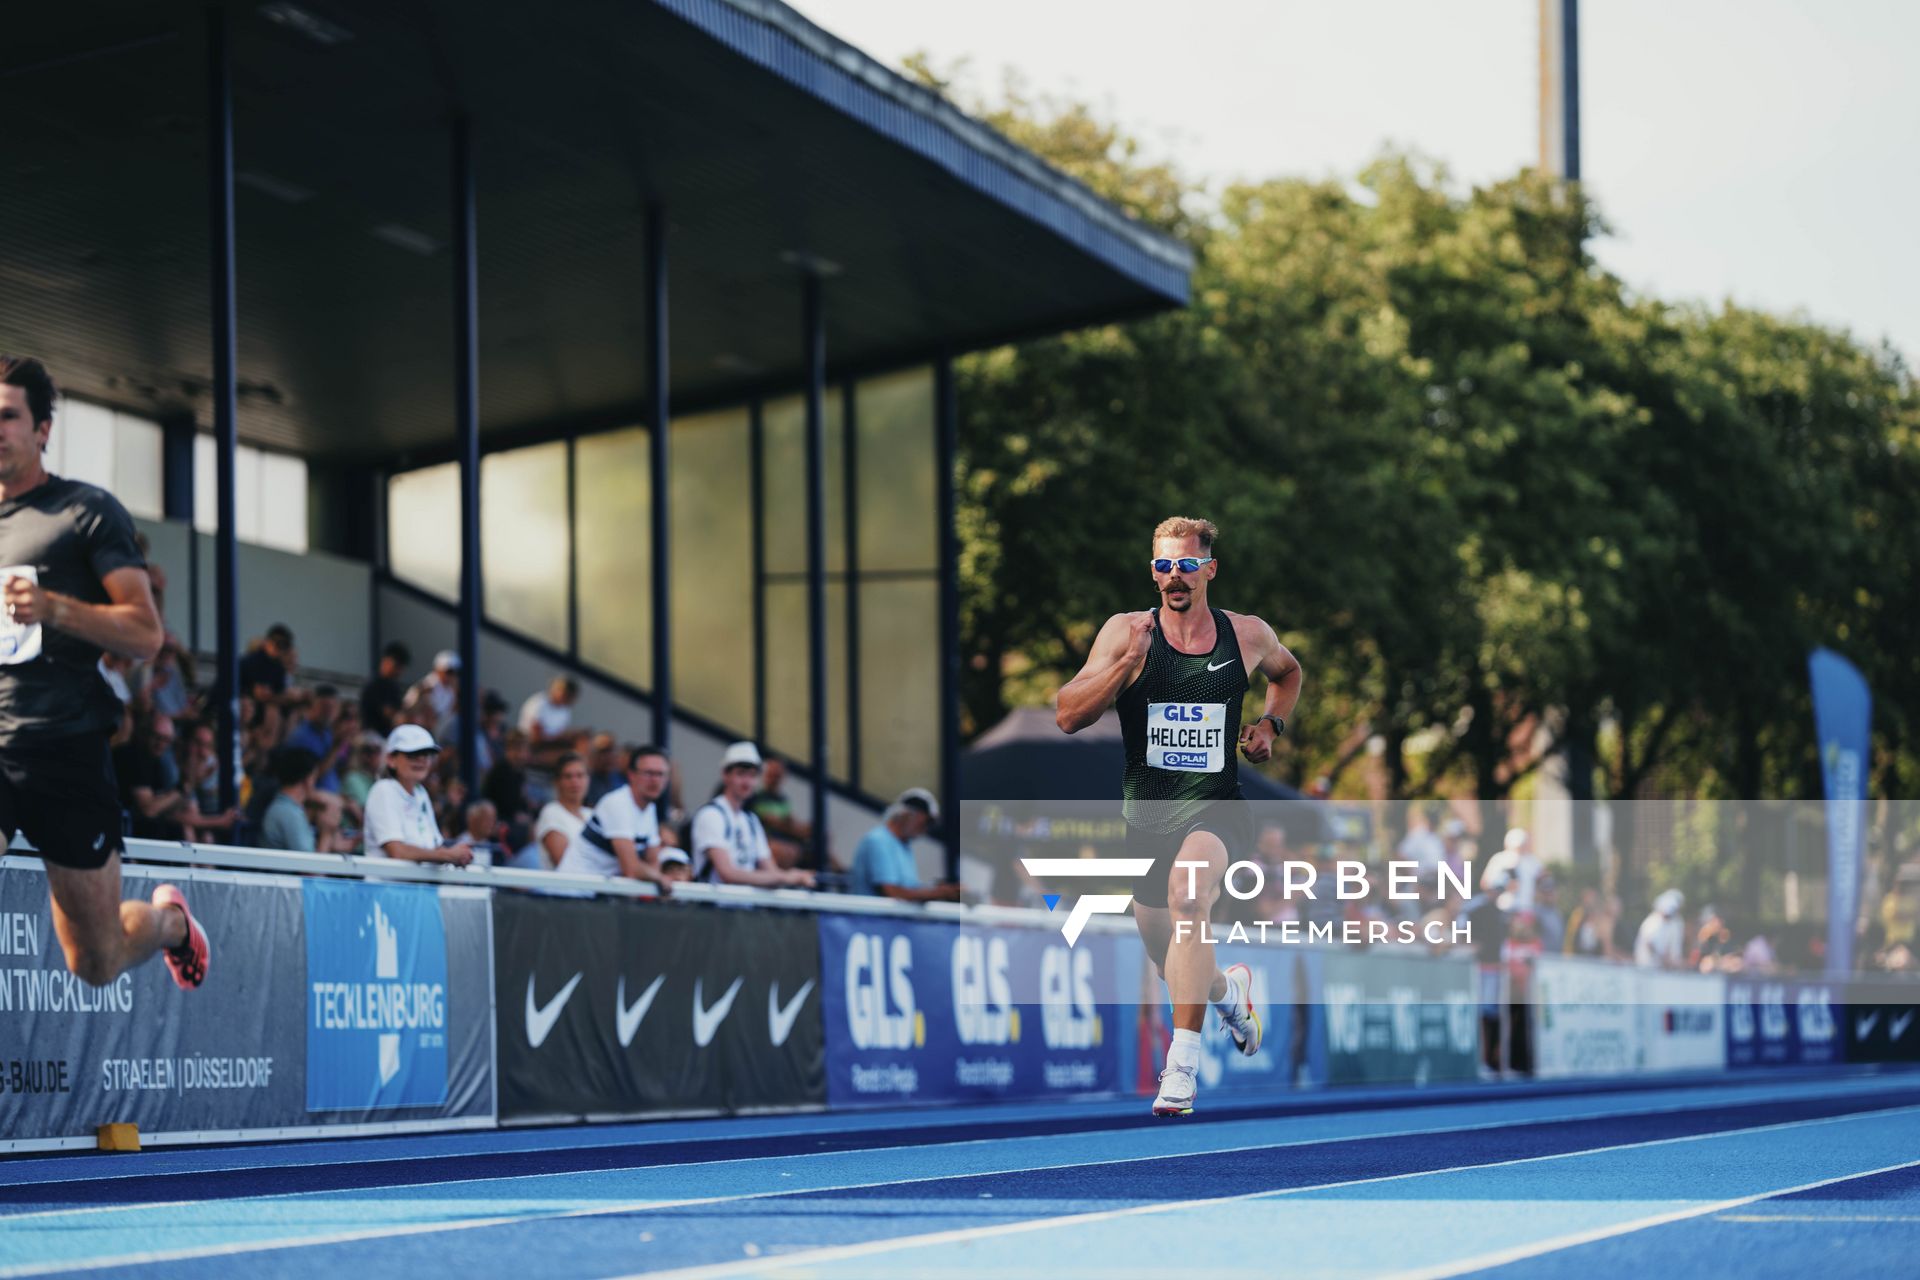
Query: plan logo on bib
376, 997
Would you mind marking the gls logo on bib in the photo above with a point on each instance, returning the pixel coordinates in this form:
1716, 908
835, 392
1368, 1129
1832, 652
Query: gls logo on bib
1189, 737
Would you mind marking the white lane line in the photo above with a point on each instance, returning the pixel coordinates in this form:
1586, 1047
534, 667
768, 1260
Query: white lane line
339, 1193
838, 1253
1520, 1253
325, 1153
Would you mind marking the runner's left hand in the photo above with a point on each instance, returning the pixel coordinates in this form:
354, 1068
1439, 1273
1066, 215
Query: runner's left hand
1256, 741
26, 603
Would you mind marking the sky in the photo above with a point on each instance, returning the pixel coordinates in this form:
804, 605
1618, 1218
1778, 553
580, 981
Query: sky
1758, 150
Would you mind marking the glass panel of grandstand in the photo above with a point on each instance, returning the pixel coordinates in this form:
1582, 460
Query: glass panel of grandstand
899, 685
423, 528
613, 556
712, 582
137, 468
523, 540
898, 523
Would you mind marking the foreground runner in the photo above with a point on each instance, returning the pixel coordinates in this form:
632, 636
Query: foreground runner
75, 584
1178, 674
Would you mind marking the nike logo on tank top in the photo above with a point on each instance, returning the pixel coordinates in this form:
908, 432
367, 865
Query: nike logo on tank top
1180, 722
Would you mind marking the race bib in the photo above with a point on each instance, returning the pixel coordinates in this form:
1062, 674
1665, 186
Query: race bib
1189, 737
18, 643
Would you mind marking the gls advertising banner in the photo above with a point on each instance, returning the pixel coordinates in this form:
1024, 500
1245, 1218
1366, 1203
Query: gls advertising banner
614, 1007
931, 1011
229, 1059
1781, 1024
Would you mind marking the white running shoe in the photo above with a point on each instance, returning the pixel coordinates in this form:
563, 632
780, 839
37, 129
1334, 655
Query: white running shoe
1177, 1090
1244, 1024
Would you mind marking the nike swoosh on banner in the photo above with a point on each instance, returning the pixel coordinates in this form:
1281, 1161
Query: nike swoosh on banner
780, 1018
629, 1018
707, 1021
540, 1018
1898, 1027
1863, 1027
1215, 667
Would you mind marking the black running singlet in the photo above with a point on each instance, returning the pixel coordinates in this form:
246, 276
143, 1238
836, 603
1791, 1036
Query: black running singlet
1180, 721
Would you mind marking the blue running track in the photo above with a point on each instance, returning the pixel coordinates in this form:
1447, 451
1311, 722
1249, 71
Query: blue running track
1815, 1174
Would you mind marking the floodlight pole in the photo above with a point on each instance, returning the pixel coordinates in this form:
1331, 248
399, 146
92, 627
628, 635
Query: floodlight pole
658, 424
225, 394
466, 400
815, 348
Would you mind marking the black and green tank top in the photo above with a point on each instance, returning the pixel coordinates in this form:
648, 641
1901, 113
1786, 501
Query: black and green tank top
1180, 721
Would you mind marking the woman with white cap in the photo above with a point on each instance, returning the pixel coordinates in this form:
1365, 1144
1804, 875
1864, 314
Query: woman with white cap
400, 821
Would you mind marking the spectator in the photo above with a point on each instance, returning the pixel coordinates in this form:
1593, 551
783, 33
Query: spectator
1713, 948
493, 732
168, 680
506, 785
621, 835
787, 835
1552, 926
546, 716
1661, 942
317, 731
1487, 925
382, 697
150, 783
400, 818
115, 670
563, 816
481, 831
438, 693
1521, 863
266, 671
883, 862
1757, 957
675, 866
363, 770
728, 843
603, 768
286, 825
1423, 847
1589, 929
200, 777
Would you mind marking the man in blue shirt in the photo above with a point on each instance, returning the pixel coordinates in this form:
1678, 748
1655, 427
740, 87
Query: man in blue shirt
318, 732
883, 862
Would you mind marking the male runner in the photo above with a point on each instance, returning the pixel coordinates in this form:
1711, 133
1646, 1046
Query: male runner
75, 585
1178, 674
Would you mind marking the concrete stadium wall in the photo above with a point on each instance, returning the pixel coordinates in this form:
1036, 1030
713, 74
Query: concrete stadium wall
326, 599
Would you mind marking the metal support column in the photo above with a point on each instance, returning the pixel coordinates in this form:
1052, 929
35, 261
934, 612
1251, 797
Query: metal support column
225, 392
466, 399
757, 486
658, 424
815, 357
850, 524
946, 430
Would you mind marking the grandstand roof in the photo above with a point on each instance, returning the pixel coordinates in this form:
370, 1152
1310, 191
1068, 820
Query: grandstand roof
769, 142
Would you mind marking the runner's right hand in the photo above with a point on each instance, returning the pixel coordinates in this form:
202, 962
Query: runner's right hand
1139, 635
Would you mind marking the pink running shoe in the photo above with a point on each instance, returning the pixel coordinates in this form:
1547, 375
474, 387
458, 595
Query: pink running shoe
188, 961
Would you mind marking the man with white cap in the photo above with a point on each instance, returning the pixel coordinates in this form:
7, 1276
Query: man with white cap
729, 844
439, 690
1662, 940
399, 812
883, 861
1520, 862
621, 837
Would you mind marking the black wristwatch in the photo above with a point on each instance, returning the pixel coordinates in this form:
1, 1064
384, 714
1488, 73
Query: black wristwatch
1279, 725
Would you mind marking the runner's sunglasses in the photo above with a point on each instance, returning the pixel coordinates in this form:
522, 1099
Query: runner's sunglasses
1186, 564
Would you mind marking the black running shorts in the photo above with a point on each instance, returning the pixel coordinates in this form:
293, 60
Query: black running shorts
61, 794
1228, 819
